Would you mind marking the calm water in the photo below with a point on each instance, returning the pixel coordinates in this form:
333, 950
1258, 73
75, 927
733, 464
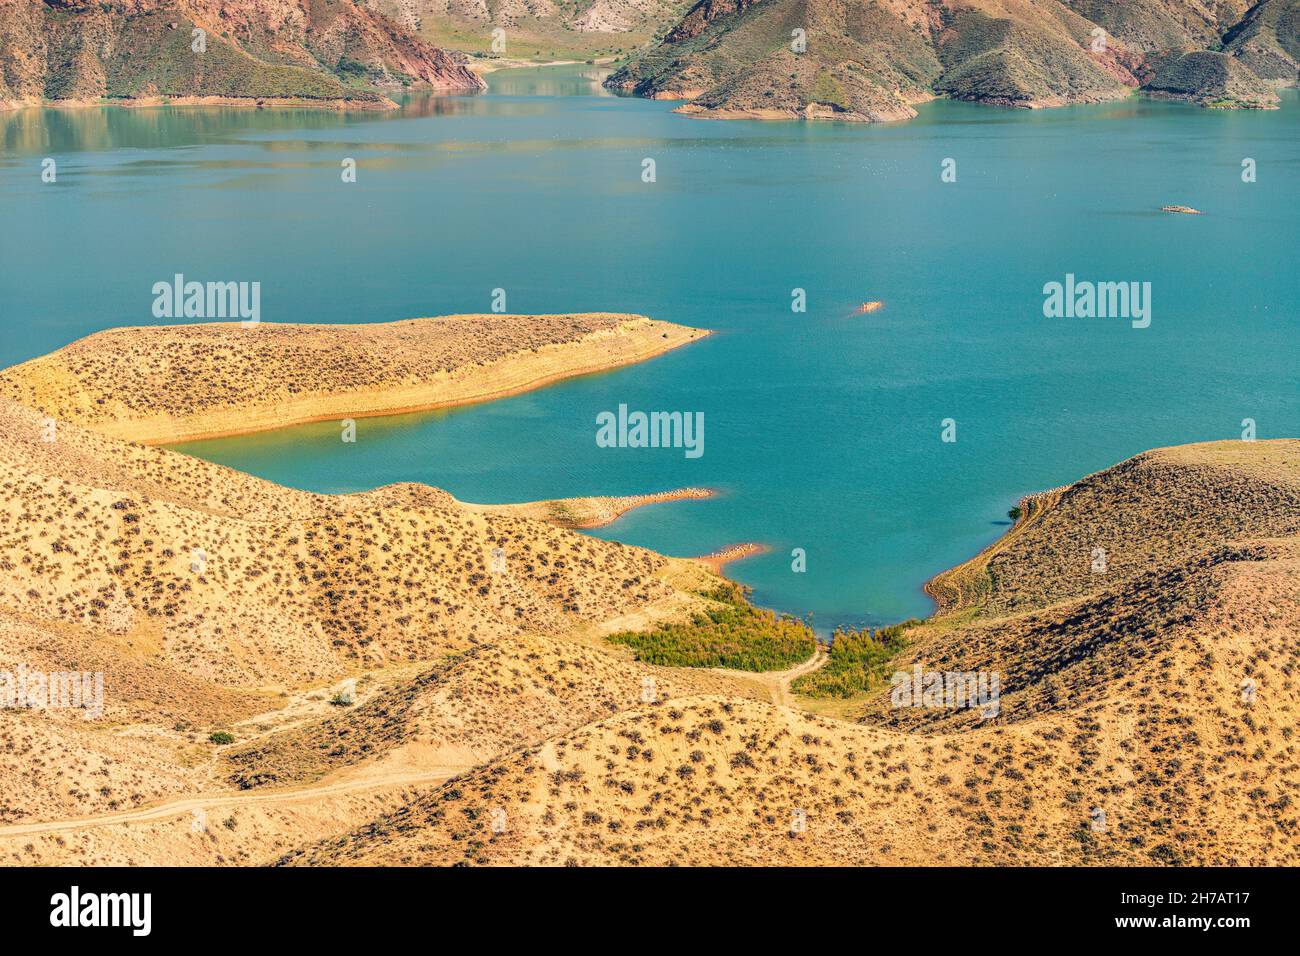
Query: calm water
822, 429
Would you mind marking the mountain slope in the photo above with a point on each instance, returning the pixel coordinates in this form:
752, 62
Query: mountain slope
1163, 26
1213, 79
873, 61
323, 51
1268, 41
535, 29
1146, 715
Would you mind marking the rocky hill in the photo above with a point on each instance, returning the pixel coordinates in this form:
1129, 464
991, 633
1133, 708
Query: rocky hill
874, 61
331, 52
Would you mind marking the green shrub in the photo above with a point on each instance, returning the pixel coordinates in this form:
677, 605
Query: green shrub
858, 661
221, 737
735, 634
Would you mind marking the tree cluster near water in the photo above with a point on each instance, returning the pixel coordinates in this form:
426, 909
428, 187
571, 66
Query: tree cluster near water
858, 660
732, 634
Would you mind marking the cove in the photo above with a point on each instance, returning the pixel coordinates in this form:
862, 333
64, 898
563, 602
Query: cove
824, 425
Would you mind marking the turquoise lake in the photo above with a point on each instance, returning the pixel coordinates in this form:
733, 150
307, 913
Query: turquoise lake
822, 429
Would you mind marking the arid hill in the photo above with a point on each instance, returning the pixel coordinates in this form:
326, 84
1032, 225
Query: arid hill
166, 384
851, 60
275, 586
394, 677
209, 599
453, 713
1148, 714
274, 50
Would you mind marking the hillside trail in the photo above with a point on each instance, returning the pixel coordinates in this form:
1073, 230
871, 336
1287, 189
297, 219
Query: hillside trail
214, 801
777, 683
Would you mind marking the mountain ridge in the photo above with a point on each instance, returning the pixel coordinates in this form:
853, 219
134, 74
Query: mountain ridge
874, 61
314, 52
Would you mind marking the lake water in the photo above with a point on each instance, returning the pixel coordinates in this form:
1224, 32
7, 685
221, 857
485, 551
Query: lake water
822, 429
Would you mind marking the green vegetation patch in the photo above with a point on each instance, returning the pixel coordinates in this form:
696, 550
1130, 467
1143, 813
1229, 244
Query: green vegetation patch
733, 634
858, 661
827, 90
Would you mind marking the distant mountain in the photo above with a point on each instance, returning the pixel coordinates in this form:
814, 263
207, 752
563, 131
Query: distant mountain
1268, 41
874, 60
312, 50
1213, 79
537, 29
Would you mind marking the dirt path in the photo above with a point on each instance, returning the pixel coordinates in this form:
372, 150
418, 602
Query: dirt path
786, 678
777, 683
215, 801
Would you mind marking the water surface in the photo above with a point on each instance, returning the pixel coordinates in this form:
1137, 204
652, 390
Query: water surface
822, 429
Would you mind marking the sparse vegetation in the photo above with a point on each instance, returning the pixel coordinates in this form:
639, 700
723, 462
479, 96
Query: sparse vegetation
858, 661
734, 634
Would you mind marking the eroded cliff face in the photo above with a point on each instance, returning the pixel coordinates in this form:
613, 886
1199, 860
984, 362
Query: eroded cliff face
328, 51
872, 61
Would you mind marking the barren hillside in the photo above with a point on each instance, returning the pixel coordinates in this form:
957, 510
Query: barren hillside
249, 50
1146, 717
317, 679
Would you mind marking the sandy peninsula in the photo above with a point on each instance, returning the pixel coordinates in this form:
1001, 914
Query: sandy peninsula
165, 384
719, 559
590, 512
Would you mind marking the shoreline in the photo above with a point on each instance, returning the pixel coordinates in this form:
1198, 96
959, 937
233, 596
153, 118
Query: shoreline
379, 102
957, 588
587, 512
715, 561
